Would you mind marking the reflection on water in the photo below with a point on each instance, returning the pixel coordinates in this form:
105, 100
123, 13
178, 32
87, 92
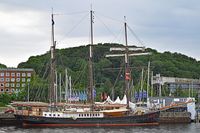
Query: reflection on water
170, 128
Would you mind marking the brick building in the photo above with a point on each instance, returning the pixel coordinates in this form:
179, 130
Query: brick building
14, 79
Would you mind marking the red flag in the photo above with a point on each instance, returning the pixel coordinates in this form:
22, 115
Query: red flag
127, 75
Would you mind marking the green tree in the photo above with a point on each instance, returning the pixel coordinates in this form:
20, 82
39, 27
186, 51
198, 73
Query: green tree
106, 69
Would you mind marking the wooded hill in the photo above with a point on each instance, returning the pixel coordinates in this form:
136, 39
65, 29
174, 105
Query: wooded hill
2, 66
109, 72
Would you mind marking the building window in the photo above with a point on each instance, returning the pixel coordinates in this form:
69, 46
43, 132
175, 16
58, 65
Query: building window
13, 74
7, 74
2, 84
7, 79
23, 85
1, 79
13, 90
17, 90
18, 74
17, 85
7, 84
28, 74
23, 79
12, 79
2, 90
2, 74
23, 74
7, 90
18, 79
28, 80
12, 85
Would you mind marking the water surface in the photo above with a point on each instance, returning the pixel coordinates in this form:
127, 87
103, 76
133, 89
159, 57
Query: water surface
166, 128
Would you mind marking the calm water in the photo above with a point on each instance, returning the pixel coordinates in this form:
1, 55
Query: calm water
175, 128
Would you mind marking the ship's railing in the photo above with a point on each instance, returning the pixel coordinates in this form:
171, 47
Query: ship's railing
175, 105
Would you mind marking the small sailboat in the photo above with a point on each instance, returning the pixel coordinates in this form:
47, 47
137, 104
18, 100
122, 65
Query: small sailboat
84, 115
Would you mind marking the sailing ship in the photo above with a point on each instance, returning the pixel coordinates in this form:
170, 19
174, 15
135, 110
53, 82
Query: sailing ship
88, 115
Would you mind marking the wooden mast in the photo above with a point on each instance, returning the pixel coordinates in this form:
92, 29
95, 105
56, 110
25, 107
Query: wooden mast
91, 97
66, 86
52, 92
148, 74
127, 70
128, 52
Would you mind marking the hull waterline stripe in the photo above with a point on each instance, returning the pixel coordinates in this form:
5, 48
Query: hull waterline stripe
89, 125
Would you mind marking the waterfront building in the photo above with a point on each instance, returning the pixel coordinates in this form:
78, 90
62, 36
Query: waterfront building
12, 80
173, 83
188, 102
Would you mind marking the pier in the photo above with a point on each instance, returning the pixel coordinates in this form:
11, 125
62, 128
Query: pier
198, 116
8, 120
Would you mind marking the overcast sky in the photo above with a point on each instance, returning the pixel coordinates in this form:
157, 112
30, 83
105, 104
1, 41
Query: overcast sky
165, 25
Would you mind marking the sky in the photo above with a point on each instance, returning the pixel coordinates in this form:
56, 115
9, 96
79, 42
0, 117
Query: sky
164, 25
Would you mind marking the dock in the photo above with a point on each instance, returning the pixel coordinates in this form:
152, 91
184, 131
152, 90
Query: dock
8, 120
198, 117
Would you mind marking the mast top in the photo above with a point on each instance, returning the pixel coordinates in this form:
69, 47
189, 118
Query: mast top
91, 6
125, 19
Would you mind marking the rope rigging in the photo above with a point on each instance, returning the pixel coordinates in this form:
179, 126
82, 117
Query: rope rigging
116, 80
105, 26
134, 34
113, 19
74, 27
71, 13
41, 92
